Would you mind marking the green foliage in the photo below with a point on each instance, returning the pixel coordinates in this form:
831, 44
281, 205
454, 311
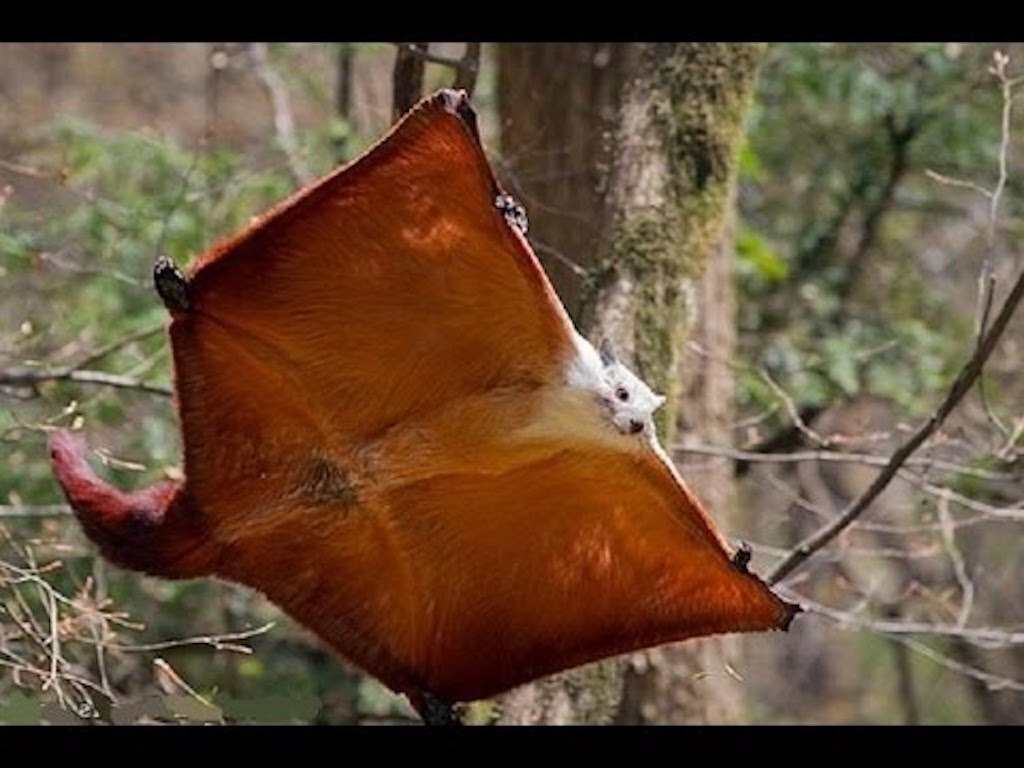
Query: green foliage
81, 267
840, 136
833, 299
758, 265
77, 273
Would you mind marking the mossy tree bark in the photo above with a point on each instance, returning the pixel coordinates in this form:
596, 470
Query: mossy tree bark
626, 160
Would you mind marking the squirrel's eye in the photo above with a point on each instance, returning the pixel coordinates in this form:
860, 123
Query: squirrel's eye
622, 394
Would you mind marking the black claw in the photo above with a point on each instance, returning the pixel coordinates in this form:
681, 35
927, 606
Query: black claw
457, 102
793, 609
170, 283
436, 712
514, 213
741, 559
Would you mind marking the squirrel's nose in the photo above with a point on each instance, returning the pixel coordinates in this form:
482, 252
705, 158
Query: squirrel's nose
635, 426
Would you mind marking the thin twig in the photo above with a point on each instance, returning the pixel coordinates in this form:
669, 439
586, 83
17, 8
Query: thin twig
1000, 60
983, 637
22, 666
33, 576
956, 558
98, 631
51, 609
993, 682
1008, 452
949, 181
228, 641
118, 344
988, 512
961, 386
986, 277
1013, 513
838, 457
792, 410
794, 498
575, 268
38, 510
170, 677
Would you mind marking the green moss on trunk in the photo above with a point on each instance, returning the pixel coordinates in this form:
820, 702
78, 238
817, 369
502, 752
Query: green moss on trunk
671, 162
691, 118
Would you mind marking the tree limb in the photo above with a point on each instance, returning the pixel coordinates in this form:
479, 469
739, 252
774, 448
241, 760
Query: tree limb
407, 77
467, 68
900, 140
30, 377
961, 385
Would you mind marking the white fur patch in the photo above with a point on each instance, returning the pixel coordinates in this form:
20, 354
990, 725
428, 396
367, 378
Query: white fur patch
626, 398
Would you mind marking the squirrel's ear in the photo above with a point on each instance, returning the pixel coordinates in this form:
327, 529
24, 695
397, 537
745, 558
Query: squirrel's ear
608, 356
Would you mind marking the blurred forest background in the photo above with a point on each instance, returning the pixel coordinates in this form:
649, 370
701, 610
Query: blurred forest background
877, 215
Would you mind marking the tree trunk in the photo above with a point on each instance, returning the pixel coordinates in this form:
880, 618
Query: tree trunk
558, 103
644, 214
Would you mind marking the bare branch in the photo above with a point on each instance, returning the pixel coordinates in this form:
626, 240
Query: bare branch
986, 277
792, 410
900, 139
838, 457
21, 666
983, 637
422, 52
993, 682
961, 386
118, 344
171, 681
956, 558
987, 513
949, 181
228, 641
284, 119
575, 268
1000, 60
30, 377
467, 67
1008, 452
1014, 513
48, 635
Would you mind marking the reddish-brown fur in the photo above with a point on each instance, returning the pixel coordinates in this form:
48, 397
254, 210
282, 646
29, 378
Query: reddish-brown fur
365, 381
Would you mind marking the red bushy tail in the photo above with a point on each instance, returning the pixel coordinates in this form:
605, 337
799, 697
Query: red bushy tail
156, 530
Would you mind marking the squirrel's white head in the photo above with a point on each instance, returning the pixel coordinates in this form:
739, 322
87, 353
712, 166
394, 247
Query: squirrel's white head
630, 400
